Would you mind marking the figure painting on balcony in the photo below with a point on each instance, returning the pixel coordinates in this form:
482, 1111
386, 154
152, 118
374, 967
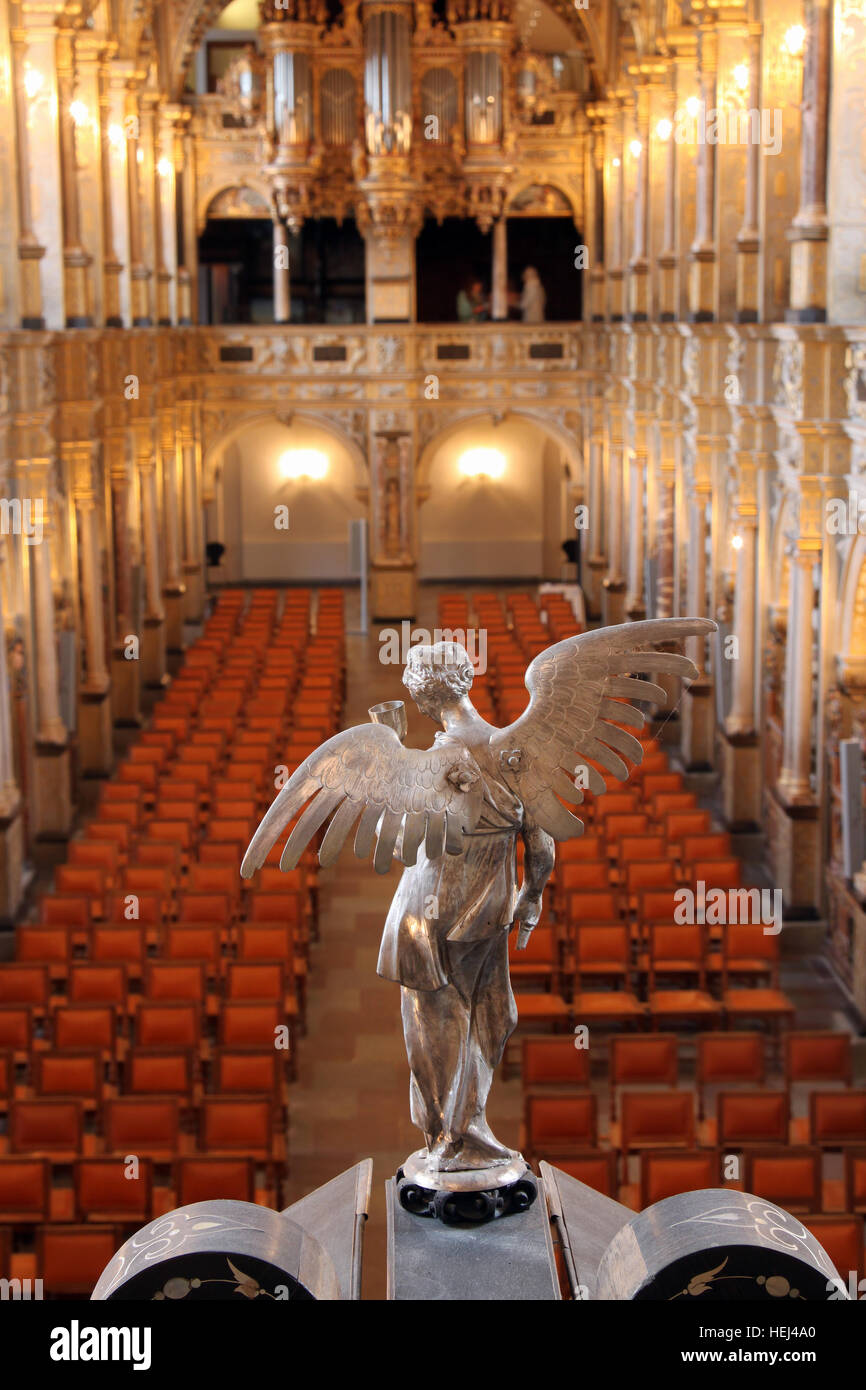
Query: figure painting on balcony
452, 815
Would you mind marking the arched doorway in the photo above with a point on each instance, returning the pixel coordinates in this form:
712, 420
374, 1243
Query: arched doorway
283, 495
498, 500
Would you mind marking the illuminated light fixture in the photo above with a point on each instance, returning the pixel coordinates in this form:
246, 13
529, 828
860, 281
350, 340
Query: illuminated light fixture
737, 542
304, 463
615, 163
635, 147
115, 136
139, 155
741, 76
693, 106
664, 129
165, 167
32, 82
79, 113
794, 39
482, 463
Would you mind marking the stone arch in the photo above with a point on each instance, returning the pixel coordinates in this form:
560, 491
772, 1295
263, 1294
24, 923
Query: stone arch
557, 432
215, 448
211, 195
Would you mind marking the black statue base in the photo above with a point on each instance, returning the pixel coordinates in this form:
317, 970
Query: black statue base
456, 1208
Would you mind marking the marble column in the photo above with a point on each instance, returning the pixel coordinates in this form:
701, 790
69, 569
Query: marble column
703, 255
597, 272
125, 654
667, 259
30, 250
174, 589
638, 281
795, 783
635, 603
698, 714
52, 785
593, 546
193, 538
76, 261
112, 267
499, 270
95, 746
741, 753
616, 201
153, 637
749, 237
11, 822
808, 232
140, 273
613, 597
282, 290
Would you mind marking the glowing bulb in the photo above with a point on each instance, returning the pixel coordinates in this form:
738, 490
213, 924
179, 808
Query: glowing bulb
664, 128
79, 113
32, 82
635, 147
165, 167
616, 164
693, 106
139, 155
304, 463
737, 542
741, 76
482, 463
795, 38
115, 136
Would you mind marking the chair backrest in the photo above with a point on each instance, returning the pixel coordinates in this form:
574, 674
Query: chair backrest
70, 1259
136, 1124
818, 1056
240, 1124
791, 1177
842, 1238
67, 1074
595, 1168
170, 1025
91, 983
104, 1191
174, 981
25, 1189
657, 1118
554, 1060
640, 1058
37, 1126
203, 1179
838, 1118
729, 1057
85, 1026
24, 983
753, 1117
164, 1072
665, 1174
558, 1121
602, 945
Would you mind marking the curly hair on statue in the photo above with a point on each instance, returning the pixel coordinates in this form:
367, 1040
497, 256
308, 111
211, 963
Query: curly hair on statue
445, 665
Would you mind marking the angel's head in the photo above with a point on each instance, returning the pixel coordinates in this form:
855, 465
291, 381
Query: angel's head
437, 676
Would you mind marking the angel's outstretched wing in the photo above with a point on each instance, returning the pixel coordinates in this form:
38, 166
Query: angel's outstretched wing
577, 689
431, 794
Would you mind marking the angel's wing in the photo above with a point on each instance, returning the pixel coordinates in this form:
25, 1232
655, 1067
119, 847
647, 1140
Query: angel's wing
431, 794
577, 688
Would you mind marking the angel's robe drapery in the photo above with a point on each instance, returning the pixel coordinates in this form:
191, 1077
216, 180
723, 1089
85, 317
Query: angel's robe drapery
455, 898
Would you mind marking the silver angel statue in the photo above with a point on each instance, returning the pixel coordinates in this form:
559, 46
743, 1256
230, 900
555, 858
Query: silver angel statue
452, 814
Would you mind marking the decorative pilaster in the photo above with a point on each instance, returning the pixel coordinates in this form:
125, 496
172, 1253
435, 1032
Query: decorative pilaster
808, 232
76, 261
153, 637
703, 268
174, 589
